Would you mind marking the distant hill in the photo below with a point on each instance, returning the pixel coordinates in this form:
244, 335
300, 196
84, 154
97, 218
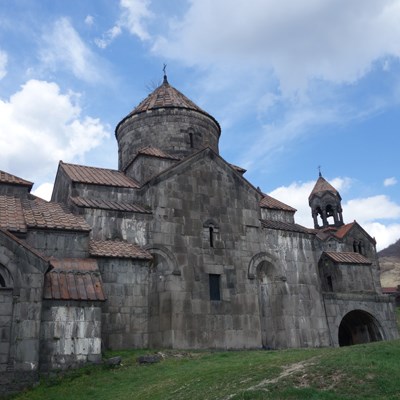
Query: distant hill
391, 251
389, 260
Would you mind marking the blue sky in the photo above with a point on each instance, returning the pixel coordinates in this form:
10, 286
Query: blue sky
294, 85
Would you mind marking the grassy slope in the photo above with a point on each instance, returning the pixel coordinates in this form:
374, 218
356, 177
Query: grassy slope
357, 372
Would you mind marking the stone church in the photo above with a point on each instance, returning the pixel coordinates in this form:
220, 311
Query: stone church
176, 249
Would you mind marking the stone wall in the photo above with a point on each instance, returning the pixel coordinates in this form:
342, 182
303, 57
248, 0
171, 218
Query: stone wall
20, 312
70, 334
167, 129
380, 308
59, 244
125, 313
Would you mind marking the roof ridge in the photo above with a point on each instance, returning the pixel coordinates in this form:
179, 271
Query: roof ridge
6, 177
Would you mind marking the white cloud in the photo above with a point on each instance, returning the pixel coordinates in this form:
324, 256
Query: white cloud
370, 209
390, 181
3, 64
134, 14
108, 37
44, 191
334, 40
368, 212
89, 20
64, 49
40, 126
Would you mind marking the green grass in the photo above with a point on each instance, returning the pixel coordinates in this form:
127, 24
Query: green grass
370, 371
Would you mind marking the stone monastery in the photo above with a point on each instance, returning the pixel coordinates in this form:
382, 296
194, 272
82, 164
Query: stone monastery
176, 249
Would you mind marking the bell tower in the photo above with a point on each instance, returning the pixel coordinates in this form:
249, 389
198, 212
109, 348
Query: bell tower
325, 203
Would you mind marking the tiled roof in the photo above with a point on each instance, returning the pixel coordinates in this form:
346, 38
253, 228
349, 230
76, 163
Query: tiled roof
39, 213
322, 186
109, 205
166, 96
11, 214
98, 176
269, 202
153, 151
5, 177
284, 226
117, 249
343, 230
347, 258
238, 169
73, 279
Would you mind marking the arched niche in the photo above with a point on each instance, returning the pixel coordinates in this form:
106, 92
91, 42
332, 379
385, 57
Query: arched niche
358, 327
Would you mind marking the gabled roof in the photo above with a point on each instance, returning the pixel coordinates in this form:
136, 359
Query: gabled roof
346, 257
98, 176
191, 160
11, 214
5, 177
39, 213
274, 204
74, 279
166, 96
322, 186
18, 214
284, 226
109, 205
155, 152
344, 230
117, 249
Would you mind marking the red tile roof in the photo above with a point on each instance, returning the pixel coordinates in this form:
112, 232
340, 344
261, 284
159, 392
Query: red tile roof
284, 226
98, 176
109, 205
39, 213
344, 230
166, 96
274, 204
322, 186
117, 249
5, 177
154, 152
73, 279
11, 214
347, 258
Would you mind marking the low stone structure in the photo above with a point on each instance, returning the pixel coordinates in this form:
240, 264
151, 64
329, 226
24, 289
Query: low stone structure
176, 249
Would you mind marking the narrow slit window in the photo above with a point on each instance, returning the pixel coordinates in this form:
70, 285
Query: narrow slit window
330, 285
211, 232
191, 139
2, 281
215, 293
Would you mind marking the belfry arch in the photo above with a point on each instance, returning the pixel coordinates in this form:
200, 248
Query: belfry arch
359, 327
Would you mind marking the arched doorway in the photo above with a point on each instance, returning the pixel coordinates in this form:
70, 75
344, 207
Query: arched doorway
359, 327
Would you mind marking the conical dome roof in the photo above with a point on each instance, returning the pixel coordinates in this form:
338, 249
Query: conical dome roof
166, 96
322, 186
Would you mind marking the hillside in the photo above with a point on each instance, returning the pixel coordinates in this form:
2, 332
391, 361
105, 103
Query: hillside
389, 260
357, 372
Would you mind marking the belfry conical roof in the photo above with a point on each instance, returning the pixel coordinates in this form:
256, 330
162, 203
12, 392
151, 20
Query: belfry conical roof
166, 96
322, 186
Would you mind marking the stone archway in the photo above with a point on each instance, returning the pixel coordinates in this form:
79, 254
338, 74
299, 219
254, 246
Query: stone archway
358, 327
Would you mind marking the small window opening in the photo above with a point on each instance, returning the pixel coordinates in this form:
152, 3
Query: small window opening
214, 280
211, 232
2, 281
191, 139
355, 247
360, 249
329, 281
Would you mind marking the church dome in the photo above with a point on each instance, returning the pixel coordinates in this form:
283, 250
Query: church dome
166, 119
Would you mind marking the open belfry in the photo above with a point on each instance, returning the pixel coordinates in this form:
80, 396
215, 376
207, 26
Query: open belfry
176, 249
